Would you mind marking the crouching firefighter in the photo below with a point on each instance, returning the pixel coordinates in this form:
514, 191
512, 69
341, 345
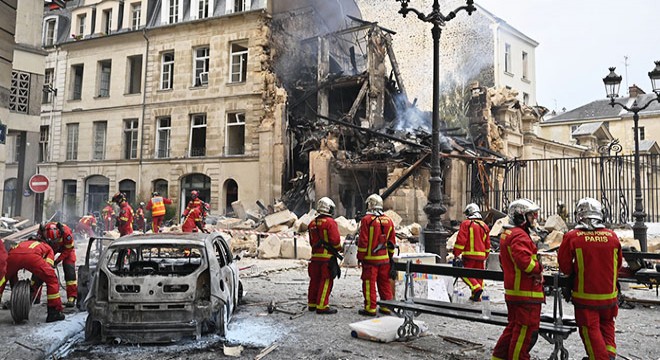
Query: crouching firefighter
37, 258
324, 266
60, 239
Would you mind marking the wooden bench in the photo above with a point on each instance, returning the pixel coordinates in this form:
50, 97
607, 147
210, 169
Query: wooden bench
553, 329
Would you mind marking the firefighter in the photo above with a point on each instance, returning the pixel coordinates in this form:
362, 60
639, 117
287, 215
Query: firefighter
193, 221
125, 218
376, 244
325, 241
3, 264
139, 218
37, 258
195, 202
108, 213
60, 238
523, 283
472, 247
591, 255
157, 207
87, 225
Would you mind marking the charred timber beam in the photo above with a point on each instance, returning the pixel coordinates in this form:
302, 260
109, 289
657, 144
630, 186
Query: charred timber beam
358, 100
373, 132
395, 67
371, 23
404, 177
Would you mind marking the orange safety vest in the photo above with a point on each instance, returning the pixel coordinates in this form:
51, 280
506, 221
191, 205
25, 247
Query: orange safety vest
157, 206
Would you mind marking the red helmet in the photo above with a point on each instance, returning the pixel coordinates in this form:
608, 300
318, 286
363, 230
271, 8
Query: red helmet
51, 232
194, 194
207, 207
118, 197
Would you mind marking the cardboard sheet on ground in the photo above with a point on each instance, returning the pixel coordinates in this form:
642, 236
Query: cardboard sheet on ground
381, 329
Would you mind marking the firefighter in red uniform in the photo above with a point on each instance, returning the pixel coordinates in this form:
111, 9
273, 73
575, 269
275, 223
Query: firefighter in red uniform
523, 283
324, 238
125, 218
87, 225
3, 264
472, 247
195, 202
108, 213
60, 238
376, 244
37, 258
139, 218
193, 221
157, 207
591, 254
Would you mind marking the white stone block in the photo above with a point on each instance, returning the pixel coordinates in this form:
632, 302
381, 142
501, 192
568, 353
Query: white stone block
396, 219
346, 226
555, 222
282, 217
239, 210
269, 248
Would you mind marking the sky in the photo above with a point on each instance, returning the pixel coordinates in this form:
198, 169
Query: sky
580, 39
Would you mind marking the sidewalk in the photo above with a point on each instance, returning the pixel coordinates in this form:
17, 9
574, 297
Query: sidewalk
35, 339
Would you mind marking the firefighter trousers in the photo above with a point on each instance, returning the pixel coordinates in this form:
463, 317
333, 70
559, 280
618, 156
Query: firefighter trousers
156, 222
40, 269
375, 281
474, 284
596, 328
519, 336
320, 285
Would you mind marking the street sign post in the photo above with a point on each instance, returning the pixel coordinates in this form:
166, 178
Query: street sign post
39, 183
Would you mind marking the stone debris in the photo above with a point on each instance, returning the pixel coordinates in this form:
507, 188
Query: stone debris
299, 243
496, 230
269, 248
346, 226
555, 222
553, 240
395, 217
239, 210
280, 217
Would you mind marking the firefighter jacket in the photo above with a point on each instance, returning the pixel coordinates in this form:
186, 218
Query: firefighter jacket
35, 247
522, 271
139, 214
593, 258
195, 203
193, 221
157, 205
3, 262
64, 244
125, 218
88, 220
323, 229
473, 240
108, 212
376, 230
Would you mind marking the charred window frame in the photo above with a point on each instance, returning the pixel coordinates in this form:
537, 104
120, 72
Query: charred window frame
197, 135
105, 74
167, 70
19, 93
163, 132
238, 62
77, 72
134, 72
72, 131
44, 134
100, 131
235, 134
201, 62
130, 138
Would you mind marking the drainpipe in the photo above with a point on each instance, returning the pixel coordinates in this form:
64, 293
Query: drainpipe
144, 110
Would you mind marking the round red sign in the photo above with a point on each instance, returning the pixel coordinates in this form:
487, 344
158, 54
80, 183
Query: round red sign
39, 183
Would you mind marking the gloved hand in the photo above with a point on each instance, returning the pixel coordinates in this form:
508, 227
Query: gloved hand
457, 262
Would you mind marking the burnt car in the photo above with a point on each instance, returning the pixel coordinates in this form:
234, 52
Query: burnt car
155, 288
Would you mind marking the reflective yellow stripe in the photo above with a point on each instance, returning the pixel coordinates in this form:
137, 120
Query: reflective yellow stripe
495, 358
2, 281
532, 294
69, 246
471, 238
616, 269
531, 266
34, 245
516, 280
379, 257
587, 343
322, 256
326, 286
53, 296
49, 261
72, 282
362, 249
479, 253
611, 349
587, 296
519, 342
367, 294
460, 247
470, 284
580, 265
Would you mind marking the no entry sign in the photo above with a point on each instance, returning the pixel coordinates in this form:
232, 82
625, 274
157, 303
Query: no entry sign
39, 183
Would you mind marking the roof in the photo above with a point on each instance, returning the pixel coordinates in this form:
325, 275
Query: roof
587, 129
648, 145
507, 26
601, 109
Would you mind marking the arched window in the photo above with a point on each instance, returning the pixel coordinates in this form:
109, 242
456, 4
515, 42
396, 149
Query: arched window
97, 189
230, 191
160, 186
199, 182
128, 187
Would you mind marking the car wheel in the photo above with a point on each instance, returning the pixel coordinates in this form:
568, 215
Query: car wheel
92, 330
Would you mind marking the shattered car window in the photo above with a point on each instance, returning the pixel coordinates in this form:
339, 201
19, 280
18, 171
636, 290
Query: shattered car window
166, 260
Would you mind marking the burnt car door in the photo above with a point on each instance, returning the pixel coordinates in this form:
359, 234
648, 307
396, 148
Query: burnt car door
227, 276
87, 271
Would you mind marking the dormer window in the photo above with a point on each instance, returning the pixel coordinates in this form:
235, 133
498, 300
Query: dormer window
107, 21
50, 33
81, 19
203, 11
136, 14
233, 6
174, 11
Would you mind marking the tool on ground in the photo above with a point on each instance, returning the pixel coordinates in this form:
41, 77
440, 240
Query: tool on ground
272, 308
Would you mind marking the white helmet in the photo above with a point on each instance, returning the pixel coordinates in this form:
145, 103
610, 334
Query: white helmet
374, 202
519, 209
325, 206
588, 208
472, 211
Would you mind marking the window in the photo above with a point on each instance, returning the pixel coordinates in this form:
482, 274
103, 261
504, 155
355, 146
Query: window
43, 143
235, 141
641, 132
82, 18
136, 12
130, 138
201, 65
100, 129
525, 98
13, 146
198, 135
49, 32
524, 64
134, 80
19, 94
69, 198
160, 186
167, 70
174, 11
72, 141
128, 187
239, 56
9, 198
237, 6
573, 128
77, 81
507, 58
47, 93
203, 11
163, 129
107, 21
105, 69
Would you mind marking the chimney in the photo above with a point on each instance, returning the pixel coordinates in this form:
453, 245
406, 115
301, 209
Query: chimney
634, 90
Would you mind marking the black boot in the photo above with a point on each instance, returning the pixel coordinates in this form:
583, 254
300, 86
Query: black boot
54, 315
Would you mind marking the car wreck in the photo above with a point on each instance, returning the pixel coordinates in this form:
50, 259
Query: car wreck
157, 288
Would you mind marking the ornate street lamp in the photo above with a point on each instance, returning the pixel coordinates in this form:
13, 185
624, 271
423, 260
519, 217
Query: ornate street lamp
435, 236
612, 82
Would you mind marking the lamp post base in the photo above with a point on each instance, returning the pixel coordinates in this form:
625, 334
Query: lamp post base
435, 241
639, 233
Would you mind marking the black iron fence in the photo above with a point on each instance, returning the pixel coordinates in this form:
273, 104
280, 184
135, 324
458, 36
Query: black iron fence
556, 182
